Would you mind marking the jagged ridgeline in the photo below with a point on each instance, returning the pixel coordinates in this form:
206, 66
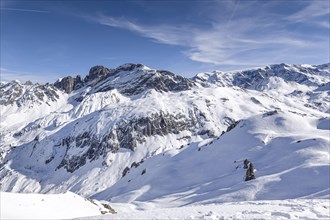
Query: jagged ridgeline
99, 125
134, 79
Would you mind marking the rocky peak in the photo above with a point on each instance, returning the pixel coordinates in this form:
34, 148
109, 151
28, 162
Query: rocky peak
129, 67
28, 83
97, 72
132, 79
69, 83
128, 79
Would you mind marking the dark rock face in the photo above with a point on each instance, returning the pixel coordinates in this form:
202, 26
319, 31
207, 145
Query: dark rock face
232, 126
126, 134
97, 72
125, 171
68, 84
103, 79
171, 82
95, 149
143, 80
127, 67
134, 131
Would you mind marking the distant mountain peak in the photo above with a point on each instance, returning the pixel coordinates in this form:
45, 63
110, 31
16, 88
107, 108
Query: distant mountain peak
259, 78
27, 93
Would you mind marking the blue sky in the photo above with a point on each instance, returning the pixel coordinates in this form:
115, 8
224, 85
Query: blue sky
46, 40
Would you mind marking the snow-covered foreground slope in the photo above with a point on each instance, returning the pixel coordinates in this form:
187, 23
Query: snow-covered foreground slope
47, 206
72, 206
270, 209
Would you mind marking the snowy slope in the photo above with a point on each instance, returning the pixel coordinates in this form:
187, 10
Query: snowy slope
50, 206
212, 114
287, 150
21, 104
72, 206
270, 209
188, 137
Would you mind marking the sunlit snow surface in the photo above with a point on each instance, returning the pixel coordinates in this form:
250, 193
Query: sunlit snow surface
270, 209
41, 206
71, 206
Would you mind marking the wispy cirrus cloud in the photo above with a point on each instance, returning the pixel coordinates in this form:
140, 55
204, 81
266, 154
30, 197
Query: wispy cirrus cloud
166, 34
314, 9
315, 13
240, 34
245, 41
23, 10
324, 24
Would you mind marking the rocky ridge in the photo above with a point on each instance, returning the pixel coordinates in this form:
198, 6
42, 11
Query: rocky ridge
27, 93
128, 79
260, 78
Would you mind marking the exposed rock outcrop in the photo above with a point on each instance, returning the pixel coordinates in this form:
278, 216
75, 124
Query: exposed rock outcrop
132, 79
69, 83
125, 134
129, 79
97, 72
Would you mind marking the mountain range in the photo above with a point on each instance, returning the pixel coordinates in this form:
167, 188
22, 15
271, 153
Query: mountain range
137, 135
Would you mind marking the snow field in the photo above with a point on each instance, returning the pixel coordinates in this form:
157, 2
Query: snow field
261, 210
45, 206
291, 164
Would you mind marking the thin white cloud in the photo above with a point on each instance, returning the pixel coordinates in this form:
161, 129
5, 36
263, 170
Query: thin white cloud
162, 33
324, 24
23, 10
314, 9
316, 13
243, 39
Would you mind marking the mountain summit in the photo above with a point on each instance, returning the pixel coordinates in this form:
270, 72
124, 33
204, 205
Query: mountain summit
129, 79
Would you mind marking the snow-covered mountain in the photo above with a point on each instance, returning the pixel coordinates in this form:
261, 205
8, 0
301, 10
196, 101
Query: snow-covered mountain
268, 77
139, 135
